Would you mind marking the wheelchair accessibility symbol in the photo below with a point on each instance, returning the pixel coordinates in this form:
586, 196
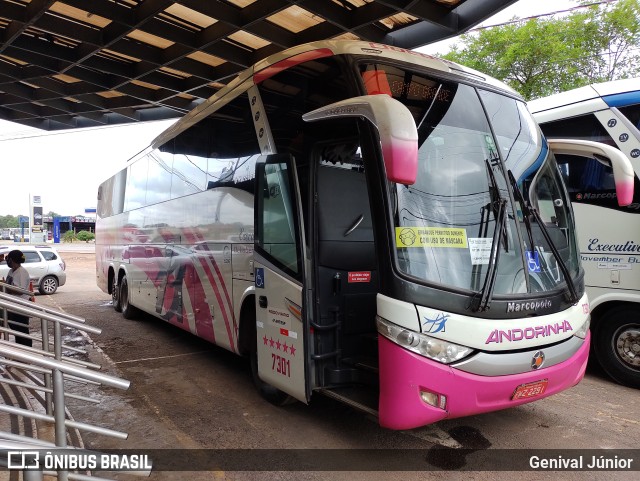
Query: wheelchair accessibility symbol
533, 261
260, 277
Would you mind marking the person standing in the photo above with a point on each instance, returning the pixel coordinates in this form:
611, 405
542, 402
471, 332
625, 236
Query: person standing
19, 277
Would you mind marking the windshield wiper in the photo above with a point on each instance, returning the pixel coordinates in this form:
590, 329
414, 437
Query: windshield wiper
496, 198
528, 210
481, 302
573, 294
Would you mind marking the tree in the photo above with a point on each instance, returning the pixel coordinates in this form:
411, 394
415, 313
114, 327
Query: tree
68, 236
85, 235
620, 39
542, 56
9, 221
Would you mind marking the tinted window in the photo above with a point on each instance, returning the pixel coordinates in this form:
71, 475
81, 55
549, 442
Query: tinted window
589, 181
218, 151
31, 257
276, 218
293, 92
158, 177
111, 194
584, 127
632, 112
239, 173
187, 177
48, 255
136, 185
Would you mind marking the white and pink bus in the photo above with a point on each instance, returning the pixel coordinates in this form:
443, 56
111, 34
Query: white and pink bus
362, 221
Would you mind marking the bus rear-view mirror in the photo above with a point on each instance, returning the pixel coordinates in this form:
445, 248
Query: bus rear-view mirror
622, 169
395, 125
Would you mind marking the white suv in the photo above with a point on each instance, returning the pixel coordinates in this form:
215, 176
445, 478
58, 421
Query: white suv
43, 263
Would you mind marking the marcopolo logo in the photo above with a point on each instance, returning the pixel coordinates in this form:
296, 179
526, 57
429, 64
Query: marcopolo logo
529, 305
596, 196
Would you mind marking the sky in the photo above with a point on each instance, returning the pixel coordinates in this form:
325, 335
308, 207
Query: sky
65, 168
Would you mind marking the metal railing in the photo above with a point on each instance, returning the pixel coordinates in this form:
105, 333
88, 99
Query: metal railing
55, 368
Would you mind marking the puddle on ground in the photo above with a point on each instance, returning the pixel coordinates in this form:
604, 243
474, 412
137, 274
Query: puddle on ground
471, 440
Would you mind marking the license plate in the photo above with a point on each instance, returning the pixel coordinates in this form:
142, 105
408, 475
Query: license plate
530, 390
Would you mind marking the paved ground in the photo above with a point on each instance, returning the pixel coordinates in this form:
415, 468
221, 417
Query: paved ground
188, 394
62, 247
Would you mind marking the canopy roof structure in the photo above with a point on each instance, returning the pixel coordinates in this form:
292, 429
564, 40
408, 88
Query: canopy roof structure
85, 63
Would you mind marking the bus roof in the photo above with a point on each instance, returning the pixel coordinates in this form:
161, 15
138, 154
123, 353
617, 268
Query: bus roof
290, 57
598, 96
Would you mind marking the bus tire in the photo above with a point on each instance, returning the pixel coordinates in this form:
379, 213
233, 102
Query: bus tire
115, 296
128, 311
272, 394
617, 345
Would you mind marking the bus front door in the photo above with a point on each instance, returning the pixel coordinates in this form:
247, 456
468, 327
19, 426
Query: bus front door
279, 277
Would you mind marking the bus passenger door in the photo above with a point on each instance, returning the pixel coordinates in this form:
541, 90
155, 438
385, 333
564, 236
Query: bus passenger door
279, 277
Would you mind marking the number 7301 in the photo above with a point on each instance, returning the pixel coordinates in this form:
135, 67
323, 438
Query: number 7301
281, 365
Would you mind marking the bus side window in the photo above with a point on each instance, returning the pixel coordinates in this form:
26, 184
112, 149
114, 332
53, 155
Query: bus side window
631, 112
278, 225
585, 175
583, 127
587, 180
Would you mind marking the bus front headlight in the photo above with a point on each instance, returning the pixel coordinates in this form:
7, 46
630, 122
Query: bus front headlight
429, 347
582, 332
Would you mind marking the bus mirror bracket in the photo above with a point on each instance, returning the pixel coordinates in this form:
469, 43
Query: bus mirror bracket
622, 169
395, 125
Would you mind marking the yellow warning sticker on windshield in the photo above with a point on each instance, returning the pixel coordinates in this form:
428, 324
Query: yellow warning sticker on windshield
431, 237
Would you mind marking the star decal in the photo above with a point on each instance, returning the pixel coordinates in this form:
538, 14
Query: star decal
293, 350
278, 344
271, 342
265, 340
285, 348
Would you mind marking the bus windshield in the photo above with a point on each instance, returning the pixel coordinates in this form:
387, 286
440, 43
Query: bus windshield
465, 224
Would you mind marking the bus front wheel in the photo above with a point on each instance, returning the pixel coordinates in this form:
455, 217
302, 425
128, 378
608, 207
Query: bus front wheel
272, 394
617, 345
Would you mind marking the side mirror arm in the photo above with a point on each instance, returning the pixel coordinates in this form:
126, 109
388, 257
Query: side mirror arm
396, 128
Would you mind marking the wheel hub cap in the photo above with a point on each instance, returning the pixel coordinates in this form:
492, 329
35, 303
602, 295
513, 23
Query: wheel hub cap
628, 347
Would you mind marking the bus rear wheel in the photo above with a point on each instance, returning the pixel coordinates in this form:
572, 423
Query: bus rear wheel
115, 296
617, 345
128, 311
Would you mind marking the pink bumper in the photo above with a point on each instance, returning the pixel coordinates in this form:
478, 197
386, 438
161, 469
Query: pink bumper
403, 374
